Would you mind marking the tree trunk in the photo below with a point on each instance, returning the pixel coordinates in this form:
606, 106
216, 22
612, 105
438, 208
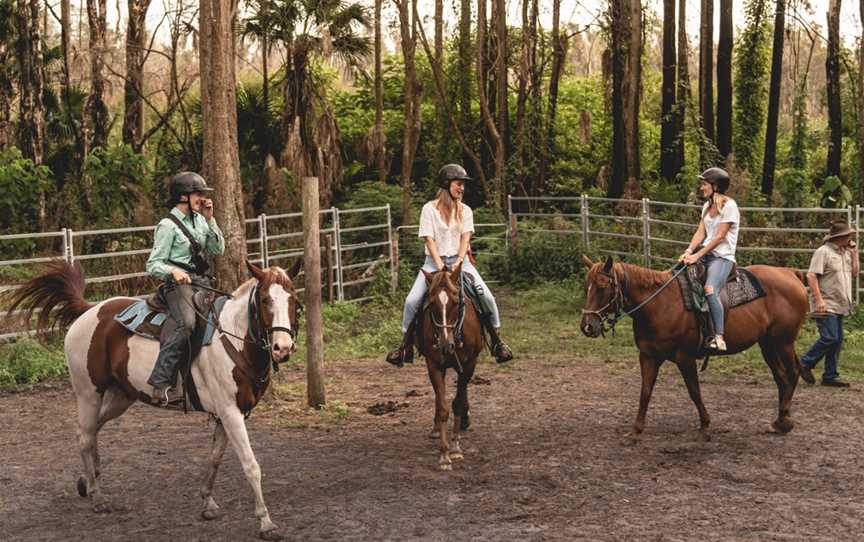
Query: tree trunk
96, 117
488, 119
380, 136
220, 161
265, 71
724, 80
619, 22
860, 108
559, 55
770, 160
632, 97
832, 73
65, 45
501, 94
413, 94
668, 137
683, 87
706, 71
440, 132
526, 78
133, 119
31, 116
465, 63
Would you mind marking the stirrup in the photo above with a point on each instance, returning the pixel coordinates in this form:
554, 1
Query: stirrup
716, 344
502, 352
402, 355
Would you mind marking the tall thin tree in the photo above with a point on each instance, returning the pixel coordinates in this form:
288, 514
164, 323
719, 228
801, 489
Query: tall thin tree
669, 122
31, 112
724, 79
861, 107
96, 118
559, 56
413, 94
619, 30
683, 87
133, 118
485, 110
706, 69
221, 160
769, 161
380, 136
832, 89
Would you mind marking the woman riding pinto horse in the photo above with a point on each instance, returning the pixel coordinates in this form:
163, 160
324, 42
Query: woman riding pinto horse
446, 225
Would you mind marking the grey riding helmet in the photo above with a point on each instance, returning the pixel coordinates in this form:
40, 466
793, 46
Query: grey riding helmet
717, 177
187, 182
452, 172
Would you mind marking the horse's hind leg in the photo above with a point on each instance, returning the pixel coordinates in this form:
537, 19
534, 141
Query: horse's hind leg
687, 366
89, 406
217, 449
783, 361
114, 403
650, 366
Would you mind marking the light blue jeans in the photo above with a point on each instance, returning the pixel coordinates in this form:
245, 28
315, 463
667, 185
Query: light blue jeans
414, 301
718, 270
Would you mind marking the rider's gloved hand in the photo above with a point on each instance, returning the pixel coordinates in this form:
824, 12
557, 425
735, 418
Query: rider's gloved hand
180, 276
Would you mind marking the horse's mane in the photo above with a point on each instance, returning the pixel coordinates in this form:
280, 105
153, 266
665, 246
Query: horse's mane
642, 276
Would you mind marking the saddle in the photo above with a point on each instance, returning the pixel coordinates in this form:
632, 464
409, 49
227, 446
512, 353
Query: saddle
147, 317
741, 287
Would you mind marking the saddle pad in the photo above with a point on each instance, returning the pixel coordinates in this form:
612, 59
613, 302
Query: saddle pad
141, 319
741, 289
475, 293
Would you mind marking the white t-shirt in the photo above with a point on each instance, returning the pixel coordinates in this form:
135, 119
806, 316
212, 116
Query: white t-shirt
446, 237
730, 214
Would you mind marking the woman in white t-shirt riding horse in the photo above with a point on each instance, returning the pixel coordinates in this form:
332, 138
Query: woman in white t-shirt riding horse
716, 239
446, 225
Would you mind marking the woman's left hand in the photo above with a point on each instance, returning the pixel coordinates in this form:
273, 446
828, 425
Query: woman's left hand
690, 259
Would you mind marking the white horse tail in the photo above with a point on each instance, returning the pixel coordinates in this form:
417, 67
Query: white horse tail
58, 293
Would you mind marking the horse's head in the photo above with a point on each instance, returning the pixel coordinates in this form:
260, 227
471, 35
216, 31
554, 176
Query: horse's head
602, 296
442, 300
277, 307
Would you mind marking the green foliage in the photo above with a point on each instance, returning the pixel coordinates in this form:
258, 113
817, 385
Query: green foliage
22, 184
119, 181
752, 55
835, 194
544, 257
26, 361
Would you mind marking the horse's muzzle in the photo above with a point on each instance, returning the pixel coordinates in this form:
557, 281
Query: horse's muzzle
591, 327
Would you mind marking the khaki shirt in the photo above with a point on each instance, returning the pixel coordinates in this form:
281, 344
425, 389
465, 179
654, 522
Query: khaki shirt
833, 268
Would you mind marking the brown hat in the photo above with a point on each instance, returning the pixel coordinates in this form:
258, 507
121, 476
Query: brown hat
839, 228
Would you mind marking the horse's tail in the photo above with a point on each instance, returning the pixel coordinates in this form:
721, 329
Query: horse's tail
57, 294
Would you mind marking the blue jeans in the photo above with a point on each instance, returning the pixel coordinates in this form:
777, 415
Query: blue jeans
415, 297
718, 270
829, 344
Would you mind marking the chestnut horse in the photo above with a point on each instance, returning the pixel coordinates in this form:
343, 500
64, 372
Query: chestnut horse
442, 349
109, 366
664, 330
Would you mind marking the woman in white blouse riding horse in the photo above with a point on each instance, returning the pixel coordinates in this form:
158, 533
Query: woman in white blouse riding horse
446, 225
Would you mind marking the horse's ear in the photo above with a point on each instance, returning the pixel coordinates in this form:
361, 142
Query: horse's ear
607, 267
254, 270
295, 269
428, 276
587, 261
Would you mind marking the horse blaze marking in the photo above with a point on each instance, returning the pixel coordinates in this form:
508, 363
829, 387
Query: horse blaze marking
444, 298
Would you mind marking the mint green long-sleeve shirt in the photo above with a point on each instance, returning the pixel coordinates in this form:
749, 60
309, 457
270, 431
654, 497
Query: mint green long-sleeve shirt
169, 243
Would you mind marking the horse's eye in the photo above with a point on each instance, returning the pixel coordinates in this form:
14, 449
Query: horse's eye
267, 301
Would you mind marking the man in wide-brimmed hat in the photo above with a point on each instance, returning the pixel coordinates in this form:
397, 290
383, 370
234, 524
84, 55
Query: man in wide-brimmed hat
831, 278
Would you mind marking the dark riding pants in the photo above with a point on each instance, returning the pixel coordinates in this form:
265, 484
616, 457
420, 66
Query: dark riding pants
175, 340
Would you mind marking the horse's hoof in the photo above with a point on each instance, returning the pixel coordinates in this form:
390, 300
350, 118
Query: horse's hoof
82, 486
464, 423
434, 434
704, 436
445, 466
456, 456
631, 439
211, 514
272, 534
782, 426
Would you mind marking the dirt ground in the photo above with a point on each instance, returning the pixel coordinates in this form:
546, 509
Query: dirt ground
546, 459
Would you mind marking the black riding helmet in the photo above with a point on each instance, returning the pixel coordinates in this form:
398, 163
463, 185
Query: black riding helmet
187, 182
451, 172
716, 177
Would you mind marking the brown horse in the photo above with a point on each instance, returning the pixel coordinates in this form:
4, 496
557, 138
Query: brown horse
442, 349
664, 330
109, 366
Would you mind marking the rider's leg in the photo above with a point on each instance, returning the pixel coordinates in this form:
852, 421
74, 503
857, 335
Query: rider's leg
413, 303
175, 339
718, 273
491, 321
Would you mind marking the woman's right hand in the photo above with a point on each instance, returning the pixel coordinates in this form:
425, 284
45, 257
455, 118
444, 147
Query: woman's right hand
180, 276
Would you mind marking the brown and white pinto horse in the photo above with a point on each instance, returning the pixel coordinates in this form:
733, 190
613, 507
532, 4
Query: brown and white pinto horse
441, 349
663, 330
109, 366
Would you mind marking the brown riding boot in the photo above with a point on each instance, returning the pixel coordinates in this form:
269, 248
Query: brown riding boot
405, 353
499, 348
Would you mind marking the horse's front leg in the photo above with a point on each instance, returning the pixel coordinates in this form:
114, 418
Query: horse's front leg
687, 367
436, 376
650, 367
460, 412
217, 449
235, 427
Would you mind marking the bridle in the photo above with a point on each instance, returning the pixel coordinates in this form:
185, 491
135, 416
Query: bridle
455, 327
609, 318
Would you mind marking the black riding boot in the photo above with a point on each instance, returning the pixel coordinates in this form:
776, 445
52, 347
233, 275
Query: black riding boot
500, 350
405, 353
174, 342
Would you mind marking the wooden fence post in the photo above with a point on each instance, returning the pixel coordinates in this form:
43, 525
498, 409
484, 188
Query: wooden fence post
315, 393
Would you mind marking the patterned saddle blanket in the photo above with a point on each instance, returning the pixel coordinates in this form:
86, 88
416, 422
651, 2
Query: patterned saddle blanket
143, 319
742, 287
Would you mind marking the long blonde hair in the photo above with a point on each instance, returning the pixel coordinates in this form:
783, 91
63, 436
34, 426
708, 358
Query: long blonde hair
449, 207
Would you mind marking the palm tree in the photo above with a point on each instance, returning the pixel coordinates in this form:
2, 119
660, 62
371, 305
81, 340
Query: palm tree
313, 31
